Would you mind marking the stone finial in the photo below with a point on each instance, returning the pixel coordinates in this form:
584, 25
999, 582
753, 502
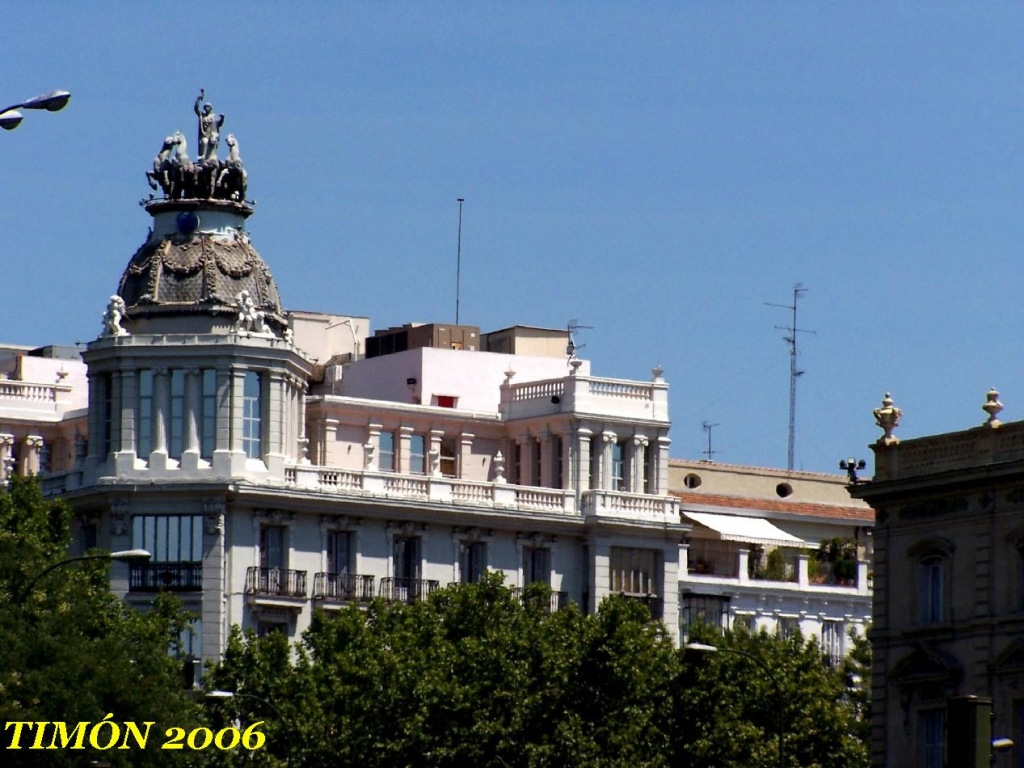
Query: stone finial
656, 373
499, 468
992, 407
888, 418
113, 316
509, 375
575, 364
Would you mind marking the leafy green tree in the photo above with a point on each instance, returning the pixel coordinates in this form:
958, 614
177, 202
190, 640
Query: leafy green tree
729, 711
74, 653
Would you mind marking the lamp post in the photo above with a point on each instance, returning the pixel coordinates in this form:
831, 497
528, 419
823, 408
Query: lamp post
705, 648
126, 555
54, 101
224, 695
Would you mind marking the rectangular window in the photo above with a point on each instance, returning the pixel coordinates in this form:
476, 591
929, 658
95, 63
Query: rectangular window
536, 565
619, 466
177, 436
517, 464
386, 455
556, 463
633, 571
931, 597
45, 459
745, 622
789, 626
444, 401
931, 741
90, 536
448, 457
272, 549
169, 538
208, 414
252, 416
144, 422
407, 557
710, 610
832, 641
472, 561
265, 628
417, 454
339, 551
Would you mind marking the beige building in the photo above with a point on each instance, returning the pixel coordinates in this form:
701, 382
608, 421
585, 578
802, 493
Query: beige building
948, 614
753, 556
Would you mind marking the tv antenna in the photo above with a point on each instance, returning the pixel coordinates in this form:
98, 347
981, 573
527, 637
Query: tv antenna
794, 373
572, 347
707, 428
458, 259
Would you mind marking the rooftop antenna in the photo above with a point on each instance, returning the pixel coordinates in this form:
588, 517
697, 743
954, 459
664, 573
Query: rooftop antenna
571, 348
794, 374
707, 428
458, 260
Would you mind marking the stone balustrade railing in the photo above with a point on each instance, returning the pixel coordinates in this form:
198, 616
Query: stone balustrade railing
32, 395
585, 394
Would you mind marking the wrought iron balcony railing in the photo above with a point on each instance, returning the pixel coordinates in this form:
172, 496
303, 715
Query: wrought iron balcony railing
407, 590
345, 587
275, 582
555, 601
653, 602
165, 577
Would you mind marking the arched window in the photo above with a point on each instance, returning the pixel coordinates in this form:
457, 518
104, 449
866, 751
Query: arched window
934, 559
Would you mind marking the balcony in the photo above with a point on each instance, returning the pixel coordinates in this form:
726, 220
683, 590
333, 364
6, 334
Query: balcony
165, 577
726, 564
342, 588
631, 506
553, 601
275, 583
653, 602
622, 398
398, 590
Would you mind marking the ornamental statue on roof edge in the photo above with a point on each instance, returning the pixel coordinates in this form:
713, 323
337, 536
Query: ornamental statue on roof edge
208, 178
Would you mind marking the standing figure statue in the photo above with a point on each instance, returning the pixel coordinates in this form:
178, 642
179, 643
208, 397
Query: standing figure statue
209, 129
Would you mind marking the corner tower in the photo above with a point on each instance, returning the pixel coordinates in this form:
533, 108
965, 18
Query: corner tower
195, 375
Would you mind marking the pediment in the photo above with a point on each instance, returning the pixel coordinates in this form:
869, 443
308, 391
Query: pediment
926, 666
1010, 659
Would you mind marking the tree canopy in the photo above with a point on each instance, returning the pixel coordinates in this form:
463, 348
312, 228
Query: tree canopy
477, 676
71, 652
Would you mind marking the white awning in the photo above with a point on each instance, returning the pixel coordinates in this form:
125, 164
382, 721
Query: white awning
752, 530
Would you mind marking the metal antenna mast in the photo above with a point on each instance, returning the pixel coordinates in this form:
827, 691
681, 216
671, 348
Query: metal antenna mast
707, 428
794, 374
458, 261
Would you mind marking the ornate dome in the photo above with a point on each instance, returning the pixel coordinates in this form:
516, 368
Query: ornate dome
190, 268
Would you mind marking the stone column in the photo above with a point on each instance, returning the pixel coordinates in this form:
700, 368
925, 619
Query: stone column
193, 409
276, 393
434, 453
566, 459
161, 412
6, 456
638, 464
465, 456
659, 483
524, 445
371, 451
124, 457
238, 457
97, 399
221, 459
302, 442
330, 438
544, 446
30, 456
404, 444
581, 467
608, 440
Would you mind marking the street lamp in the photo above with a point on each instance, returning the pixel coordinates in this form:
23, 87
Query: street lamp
705, 648
224, 695
126, 555
54, 101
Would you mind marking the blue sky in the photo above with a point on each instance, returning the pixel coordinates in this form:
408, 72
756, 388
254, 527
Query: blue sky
658, 171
